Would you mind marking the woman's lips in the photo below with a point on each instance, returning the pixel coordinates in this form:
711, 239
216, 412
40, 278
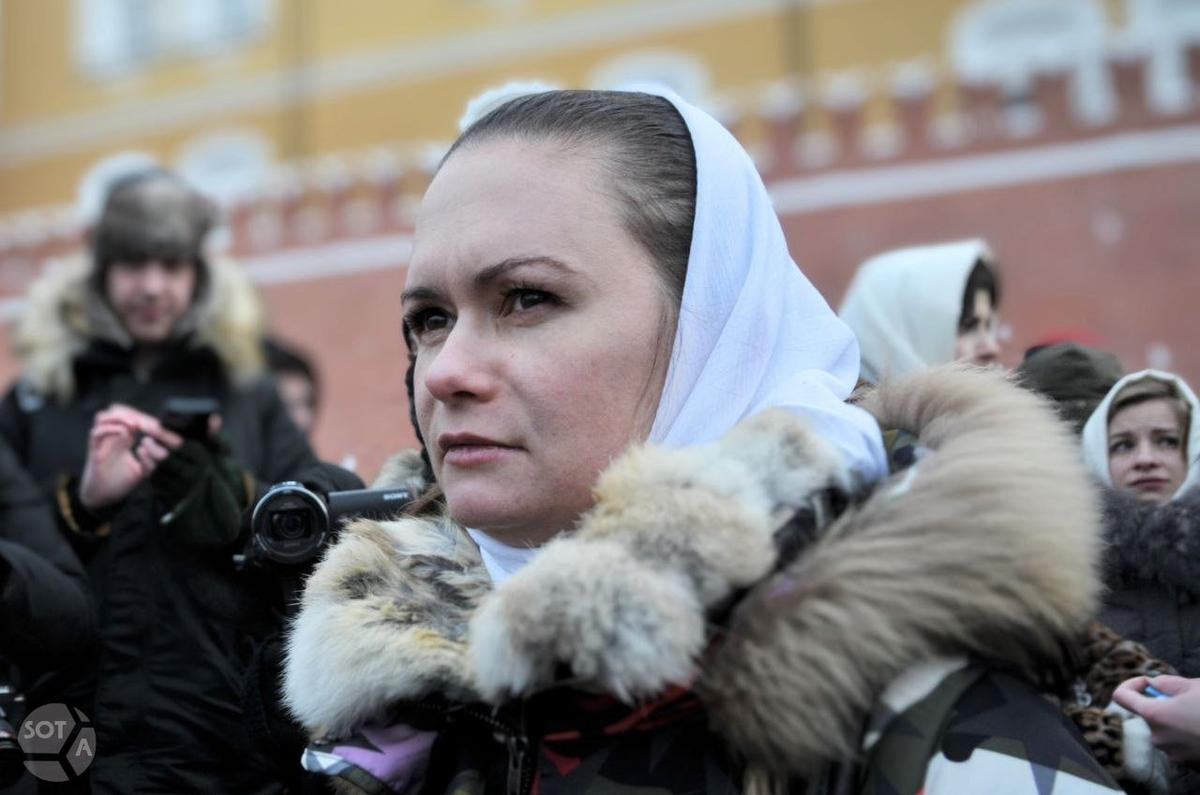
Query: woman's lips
1149, 484
467, 455
467, 449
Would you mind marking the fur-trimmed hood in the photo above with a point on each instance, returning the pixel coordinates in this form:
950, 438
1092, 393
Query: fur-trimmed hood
1151, 542
985, 547
64, 314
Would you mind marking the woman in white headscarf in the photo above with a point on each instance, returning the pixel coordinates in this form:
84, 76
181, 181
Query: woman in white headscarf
630, 573
1142, 443
923, 306
1144, 439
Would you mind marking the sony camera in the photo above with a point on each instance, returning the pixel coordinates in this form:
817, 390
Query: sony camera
291, 524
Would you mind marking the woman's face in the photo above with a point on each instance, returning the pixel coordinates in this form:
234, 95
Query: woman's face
977, 342
1146, 451
538, 325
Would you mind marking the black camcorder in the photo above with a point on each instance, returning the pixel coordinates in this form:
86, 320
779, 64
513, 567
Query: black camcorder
291, 524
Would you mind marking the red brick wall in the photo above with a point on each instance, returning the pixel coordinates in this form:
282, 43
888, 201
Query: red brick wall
351, 325
1134, 291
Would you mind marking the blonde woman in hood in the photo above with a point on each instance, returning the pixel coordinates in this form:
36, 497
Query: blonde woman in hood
917, 307
1143, 438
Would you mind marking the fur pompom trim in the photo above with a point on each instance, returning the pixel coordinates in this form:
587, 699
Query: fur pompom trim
383, 619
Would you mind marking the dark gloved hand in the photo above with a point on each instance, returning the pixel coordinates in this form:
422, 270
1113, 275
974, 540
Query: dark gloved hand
204, 494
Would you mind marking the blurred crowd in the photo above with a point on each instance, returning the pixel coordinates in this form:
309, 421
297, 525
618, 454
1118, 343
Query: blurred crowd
154, 409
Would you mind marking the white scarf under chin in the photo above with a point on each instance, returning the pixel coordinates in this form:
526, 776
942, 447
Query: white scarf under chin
501, 560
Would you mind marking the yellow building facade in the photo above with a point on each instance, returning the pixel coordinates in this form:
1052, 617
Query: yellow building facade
292, 80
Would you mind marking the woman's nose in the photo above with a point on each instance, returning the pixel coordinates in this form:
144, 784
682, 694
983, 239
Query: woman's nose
460, 369
1144, 457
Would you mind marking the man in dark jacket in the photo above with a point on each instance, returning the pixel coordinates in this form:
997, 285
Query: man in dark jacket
106, 343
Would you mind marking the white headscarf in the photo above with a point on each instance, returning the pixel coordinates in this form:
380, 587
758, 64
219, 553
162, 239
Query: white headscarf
904, 305
753, 332
1095, 431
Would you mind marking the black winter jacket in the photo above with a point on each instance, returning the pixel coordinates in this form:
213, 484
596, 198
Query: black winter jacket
1152, 573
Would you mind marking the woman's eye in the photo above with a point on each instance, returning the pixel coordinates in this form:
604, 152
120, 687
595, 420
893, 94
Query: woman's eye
1170, 442
523, 299
424, 322
1119, 447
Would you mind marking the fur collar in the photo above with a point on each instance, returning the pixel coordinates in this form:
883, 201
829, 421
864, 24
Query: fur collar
64, 314
1150, 542
985, 548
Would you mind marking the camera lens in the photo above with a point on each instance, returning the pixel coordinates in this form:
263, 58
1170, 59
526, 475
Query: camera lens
291, 525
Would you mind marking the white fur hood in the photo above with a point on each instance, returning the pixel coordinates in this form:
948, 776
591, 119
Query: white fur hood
64, 314
985, 547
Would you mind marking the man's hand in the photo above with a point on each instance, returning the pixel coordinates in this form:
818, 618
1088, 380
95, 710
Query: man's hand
124, 447
1174, 721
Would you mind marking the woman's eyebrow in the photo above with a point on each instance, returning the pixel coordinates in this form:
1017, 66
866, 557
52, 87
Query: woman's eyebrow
419, 294
493, 272
487, 276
